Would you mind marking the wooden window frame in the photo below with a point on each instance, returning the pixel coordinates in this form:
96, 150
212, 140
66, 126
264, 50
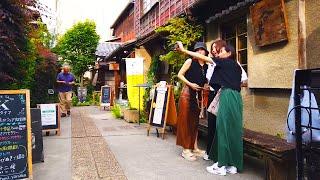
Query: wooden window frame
235, 23
151, 4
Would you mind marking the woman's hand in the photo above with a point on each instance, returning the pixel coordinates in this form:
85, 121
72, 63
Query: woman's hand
194, 86
180, 47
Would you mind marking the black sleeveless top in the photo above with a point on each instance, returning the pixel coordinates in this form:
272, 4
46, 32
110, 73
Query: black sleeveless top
197, 73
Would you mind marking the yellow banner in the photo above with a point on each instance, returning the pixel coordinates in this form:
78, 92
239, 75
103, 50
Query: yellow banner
133, 92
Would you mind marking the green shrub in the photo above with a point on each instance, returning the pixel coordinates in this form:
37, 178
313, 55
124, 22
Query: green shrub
84, 103
116, 111
75, 101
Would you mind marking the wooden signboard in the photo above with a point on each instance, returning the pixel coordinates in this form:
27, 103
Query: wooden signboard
163, 109
269, 22
105, 99
50, 118
15, 135
114, 66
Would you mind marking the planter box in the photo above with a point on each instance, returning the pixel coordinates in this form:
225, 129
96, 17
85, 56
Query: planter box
131, 115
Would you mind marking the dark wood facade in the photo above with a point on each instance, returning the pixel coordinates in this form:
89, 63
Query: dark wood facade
158, 15
123, 27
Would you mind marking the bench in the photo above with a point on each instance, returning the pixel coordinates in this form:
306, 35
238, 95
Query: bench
277, 154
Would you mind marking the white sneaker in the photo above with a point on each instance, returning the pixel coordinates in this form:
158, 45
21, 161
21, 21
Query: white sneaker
206, 157
231, 170
220, 171
213, 167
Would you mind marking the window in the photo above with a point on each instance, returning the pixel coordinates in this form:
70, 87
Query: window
235, 33
147, 5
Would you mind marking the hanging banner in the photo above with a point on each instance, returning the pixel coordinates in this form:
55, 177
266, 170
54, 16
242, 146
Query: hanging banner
134, 68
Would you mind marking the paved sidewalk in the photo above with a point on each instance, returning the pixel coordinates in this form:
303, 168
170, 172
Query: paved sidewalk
143, 157
57, 155
91, 156
94, 145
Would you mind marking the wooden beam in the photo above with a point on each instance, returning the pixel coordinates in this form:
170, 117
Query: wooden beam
302, 35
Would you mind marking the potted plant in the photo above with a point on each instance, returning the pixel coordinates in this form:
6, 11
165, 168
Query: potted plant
131, 115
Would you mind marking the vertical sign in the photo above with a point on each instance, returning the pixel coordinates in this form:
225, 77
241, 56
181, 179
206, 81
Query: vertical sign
105, 96
37, 141
160, 106
134, 68
48, 114
15, 135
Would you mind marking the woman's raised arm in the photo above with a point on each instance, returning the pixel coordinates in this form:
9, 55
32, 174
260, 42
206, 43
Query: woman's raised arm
193, 54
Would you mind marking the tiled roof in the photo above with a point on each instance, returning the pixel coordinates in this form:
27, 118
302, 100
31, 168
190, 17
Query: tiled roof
104, 49
230, 9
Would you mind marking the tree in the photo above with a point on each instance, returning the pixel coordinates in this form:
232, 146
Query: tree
179, 29
77, 47
15, 16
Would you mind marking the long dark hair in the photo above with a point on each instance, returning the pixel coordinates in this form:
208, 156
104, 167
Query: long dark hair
219, 45
230, 48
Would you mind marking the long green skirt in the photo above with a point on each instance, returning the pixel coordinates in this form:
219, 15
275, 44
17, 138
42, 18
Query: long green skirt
227, 148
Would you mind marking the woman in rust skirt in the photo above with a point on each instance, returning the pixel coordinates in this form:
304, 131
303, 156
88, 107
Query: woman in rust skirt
193, 74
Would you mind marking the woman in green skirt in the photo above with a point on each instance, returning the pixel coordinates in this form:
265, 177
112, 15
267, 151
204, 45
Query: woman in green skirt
227, 150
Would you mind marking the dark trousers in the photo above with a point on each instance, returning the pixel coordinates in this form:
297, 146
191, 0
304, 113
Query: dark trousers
211, 124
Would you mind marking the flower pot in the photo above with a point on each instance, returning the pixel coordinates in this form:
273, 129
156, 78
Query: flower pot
131, 115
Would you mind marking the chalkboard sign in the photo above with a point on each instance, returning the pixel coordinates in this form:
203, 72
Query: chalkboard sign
15, 135
105, 96
37, 141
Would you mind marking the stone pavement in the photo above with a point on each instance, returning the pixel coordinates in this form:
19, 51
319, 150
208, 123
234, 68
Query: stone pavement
91, 156
142, 157
97, 146
57, 155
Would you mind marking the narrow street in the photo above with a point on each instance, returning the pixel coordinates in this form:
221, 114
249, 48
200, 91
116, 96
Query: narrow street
97, 146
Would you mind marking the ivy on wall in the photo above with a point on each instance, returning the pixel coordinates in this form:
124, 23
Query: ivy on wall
178, 29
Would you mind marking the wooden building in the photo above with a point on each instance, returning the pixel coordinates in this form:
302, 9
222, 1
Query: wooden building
111, 66
266, 38
267, 46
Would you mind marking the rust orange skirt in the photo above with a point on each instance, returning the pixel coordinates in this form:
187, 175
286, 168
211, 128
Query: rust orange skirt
188, 119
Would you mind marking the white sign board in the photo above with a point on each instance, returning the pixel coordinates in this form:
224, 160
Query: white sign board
134, 66
48, 114
158, 111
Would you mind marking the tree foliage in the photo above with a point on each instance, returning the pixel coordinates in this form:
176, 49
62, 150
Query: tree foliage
26, 60
15, 16
78, 45
179, 29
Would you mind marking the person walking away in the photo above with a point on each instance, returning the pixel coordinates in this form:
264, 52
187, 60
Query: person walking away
65, 80
192, 73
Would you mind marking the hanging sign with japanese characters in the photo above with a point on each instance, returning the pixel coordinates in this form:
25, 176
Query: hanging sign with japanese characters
15, 135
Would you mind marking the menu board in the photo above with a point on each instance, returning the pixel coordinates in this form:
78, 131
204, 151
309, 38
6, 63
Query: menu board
15, 135
37, 140
105, 95
159, 106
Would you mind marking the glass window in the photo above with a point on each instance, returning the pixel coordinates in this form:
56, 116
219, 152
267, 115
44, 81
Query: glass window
147, 5
235, 34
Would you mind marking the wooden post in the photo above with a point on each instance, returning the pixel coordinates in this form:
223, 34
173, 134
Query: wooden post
302, 35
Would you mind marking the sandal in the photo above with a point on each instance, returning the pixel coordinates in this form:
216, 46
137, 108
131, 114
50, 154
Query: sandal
198, 152
188, 156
